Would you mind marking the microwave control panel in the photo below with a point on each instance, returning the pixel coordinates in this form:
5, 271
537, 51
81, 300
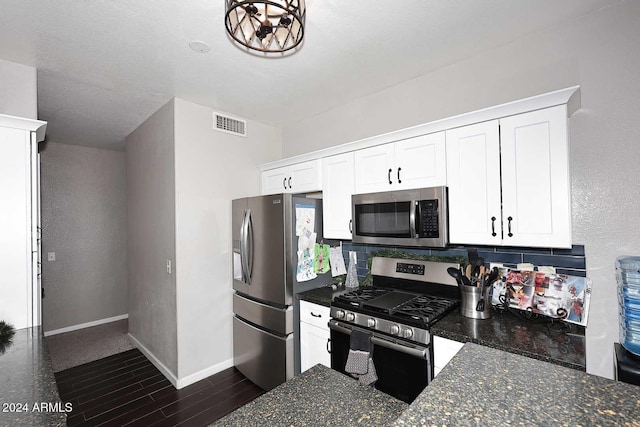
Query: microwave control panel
428, 219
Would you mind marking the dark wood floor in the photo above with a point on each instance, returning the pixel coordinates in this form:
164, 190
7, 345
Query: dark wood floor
126, 389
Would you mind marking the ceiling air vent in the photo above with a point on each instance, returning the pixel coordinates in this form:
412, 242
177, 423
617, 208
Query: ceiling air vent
228, 124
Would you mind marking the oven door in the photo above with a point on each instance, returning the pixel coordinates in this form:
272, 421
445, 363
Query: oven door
404, 369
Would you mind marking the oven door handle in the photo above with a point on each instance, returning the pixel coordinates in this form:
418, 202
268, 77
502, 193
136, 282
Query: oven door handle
410, 349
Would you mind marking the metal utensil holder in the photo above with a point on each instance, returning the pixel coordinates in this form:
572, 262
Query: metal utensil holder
469, 302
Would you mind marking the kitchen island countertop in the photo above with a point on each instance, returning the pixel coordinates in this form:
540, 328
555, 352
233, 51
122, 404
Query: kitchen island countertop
318, 396
28, 390
482, 386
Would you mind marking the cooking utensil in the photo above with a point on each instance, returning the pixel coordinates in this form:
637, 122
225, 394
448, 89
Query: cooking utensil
456, 274
480, 305
466, 279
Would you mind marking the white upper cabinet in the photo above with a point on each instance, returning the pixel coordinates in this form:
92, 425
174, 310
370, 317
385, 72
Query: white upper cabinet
338, 185
298, 178
529, 204
410, 163
473, 178
536, 201
373, 167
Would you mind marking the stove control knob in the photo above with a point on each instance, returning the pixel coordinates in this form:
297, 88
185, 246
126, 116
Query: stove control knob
407, 333
394, 329
351, 317
371, 322
340, 314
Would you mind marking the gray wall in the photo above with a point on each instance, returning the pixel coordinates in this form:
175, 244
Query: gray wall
599, 52
18, 89
151, 236
84, 223
212, 168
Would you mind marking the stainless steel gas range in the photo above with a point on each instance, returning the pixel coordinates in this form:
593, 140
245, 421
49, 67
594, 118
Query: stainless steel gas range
407, 298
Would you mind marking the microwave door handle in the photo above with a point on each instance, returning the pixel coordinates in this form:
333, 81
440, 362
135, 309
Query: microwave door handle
412, 219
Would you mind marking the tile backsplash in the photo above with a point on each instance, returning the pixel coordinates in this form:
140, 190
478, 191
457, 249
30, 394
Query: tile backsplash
567, 261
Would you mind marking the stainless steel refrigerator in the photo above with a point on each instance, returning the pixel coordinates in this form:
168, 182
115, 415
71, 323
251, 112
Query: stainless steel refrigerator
266, 345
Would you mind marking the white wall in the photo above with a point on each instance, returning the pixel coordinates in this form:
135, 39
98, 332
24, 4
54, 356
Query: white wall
18, 90
599, 52
151, 237
211, 168
84, 221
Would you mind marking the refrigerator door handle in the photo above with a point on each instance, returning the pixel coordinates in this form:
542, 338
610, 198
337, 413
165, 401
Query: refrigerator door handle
250, 247
244, 236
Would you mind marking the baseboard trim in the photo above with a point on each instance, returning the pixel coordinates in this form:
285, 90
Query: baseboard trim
86, 325
155, 361
207, 372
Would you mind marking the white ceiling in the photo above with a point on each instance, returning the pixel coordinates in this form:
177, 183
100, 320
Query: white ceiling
104, 66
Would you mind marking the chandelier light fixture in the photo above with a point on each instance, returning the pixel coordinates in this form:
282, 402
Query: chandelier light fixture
267, 26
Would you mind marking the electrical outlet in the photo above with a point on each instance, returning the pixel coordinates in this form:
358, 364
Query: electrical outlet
51, 256
168, 266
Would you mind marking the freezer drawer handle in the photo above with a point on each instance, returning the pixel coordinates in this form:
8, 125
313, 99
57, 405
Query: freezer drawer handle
315, 315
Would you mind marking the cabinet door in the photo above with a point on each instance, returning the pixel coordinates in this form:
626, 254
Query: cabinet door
274, 181
374, 168
314, 343
421, 161
338, 185
473, 178
535, 179
443, 351
304, 177
16, 257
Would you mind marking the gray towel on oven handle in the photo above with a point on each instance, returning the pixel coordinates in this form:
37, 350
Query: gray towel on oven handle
371, 376
360, 348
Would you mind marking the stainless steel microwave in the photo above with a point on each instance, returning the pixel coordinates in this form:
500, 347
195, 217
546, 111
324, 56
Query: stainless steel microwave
416, 218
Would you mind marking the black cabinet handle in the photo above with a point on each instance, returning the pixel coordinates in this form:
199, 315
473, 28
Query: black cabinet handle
509, 226
493, 226
284, 183
328, 342
399, 182
315, 315
389, 176
350, 226
289, 182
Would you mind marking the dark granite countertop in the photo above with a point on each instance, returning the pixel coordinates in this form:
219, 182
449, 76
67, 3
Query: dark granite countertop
557, 343
28, 390
505, 331
318, 396
482, 386
323, 295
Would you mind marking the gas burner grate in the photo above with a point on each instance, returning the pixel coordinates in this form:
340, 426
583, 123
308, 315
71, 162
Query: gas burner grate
425, 309
358, 297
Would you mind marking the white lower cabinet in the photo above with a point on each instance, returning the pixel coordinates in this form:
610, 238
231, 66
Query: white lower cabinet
314, 335
443, 351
